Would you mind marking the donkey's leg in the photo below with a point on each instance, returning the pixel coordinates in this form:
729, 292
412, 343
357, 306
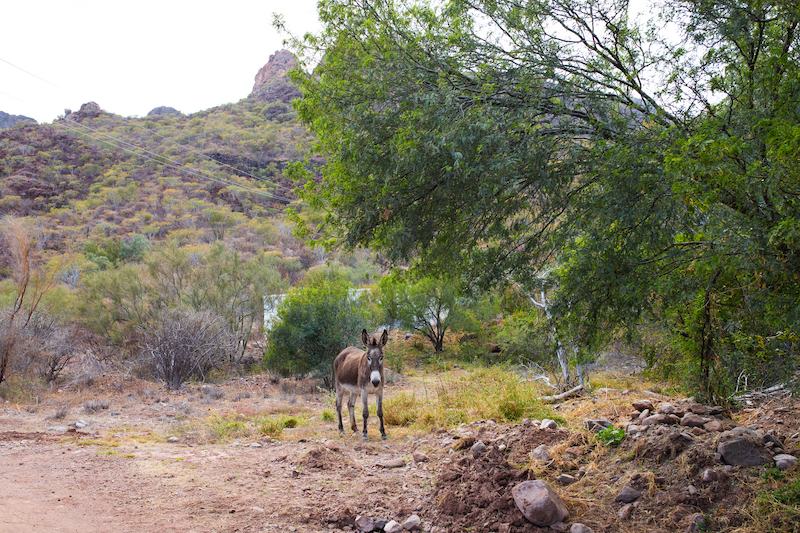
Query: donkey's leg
339, 391
379, 401
364, 411
351, 406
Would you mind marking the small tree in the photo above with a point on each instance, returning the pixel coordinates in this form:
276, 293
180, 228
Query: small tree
315, 323
427, 306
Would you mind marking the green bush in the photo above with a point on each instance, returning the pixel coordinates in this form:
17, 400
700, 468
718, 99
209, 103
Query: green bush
314, 324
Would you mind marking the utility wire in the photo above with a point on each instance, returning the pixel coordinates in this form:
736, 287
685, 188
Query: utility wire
175, 164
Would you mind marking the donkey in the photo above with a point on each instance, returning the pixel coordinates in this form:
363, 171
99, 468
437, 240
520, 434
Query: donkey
360, 372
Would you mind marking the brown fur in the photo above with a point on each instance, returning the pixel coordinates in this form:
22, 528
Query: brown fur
354, 371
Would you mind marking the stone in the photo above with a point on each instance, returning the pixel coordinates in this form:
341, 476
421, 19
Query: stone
380, 523
784, 461
666, 408
504, 528
364, 524
548, 424
559, 526
693, 420
392, 527
596, 425
542, 453
163, 110
566, 479
644, 414
539, 503
641, 405
577, 527
628, 494
625, 511
393, 463
478, 448
697, 523
411, 523
714, 426
272, 82
651, 420
419, 457
709, 475
742, 447
60, 429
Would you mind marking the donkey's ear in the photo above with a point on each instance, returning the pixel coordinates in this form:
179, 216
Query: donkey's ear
384, 337
365, 338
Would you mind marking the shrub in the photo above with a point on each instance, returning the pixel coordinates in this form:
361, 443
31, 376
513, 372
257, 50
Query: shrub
186, 344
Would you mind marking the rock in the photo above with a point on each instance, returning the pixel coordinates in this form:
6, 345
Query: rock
566, 479
364, 524
393, 463
651, 420
559, 526
742, 447
478, 448
542, 453
548, 424
419, 457
256, 445
380, 523
693, 421
539, 503
392, 527
784, 461
412, 522
163, 110
60, 429
79, 424
272, 83
714, 426
625, 512
596, 425
644, 414
504, 528
709, 475
666, 408
634, 429
698, 408
697, 523
7, 121
577, 527
628, 494
641, 405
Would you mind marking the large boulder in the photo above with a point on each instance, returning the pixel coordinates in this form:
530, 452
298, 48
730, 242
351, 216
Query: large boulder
742, 447
272, 83
539, 503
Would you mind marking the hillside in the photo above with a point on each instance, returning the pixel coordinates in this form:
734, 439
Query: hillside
212, 175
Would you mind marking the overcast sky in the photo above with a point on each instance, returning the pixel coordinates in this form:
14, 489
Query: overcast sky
131, 57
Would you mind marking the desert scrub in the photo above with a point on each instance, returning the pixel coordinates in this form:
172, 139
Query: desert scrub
227, 427
274, 425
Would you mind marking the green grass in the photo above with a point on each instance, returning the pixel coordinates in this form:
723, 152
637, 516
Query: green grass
483, 393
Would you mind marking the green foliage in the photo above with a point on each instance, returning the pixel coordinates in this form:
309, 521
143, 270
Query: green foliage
611, 436
461, 138
315, 323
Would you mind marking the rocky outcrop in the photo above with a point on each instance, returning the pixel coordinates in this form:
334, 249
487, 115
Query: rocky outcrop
272, 83
163, 110
87, 110
8, 121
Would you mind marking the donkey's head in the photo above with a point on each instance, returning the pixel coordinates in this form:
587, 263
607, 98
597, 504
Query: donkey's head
374, 355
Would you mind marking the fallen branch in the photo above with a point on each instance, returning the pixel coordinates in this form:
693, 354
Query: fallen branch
561, 396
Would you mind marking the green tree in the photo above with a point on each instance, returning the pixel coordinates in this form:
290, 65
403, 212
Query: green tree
427, 305
315, 323
560, 142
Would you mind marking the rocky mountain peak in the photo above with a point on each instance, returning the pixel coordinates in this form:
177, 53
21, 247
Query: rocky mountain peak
272, 82
7, 121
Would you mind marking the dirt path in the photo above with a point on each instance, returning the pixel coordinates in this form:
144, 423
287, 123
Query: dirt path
75, 483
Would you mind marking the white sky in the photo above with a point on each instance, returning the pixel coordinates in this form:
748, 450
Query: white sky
131, 57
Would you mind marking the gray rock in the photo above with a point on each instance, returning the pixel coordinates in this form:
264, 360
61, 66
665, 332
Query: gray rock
596, 425
364, 524
693, 421
60, 429
651, 420
625, 511
392, 527
542, 453
628, 494
709, 475
539, 503
380, 523
478, 448
641, 405
577, 527
742, 447
644, 414
548, 424
697, 523
713, 426
784, 461
566, 479
419, 457
412, 522
666, 408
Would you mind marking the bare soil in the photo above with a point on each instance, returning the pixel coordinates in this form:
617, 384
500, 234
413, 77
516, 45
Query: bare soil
147, 463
